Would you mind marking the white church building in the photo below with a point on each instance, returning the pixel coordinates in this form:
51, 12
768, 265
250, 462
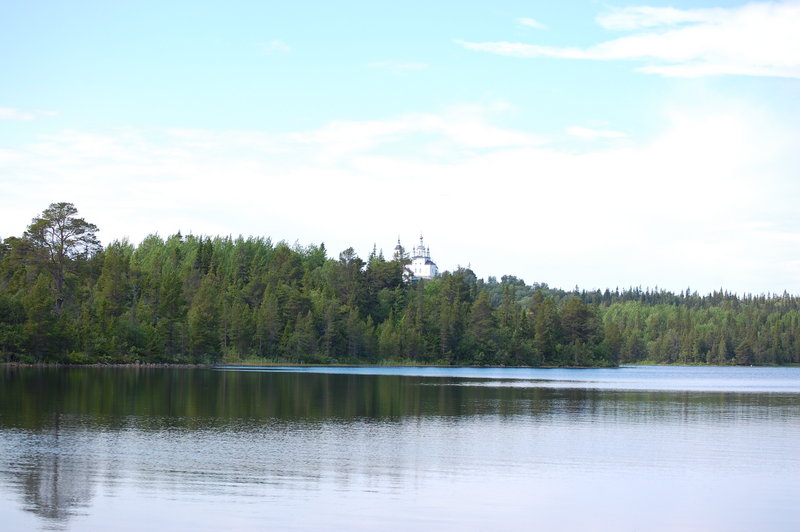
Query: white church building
421, 266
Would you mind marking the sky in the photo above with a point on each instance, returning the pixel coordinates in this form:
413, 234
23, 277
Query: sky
573, 143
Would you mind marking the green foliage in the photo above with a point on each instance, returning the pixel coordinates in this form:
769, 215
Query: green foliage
56, 239
201, 299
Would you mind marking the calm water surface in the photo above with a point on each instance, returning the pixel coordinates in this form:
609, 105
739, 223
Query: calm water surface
635, 448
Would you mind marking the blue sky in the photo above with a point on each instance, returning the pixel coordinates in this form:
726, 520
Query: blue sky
573, 143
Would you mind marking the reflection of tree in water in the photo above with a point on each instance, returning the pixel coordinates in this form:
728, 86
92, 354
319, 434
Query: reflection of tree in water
56, 478
55, 486
234, 434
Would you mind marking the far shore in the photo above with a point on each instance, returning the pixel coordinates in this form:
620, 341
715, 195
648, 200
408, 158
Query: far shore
395, 364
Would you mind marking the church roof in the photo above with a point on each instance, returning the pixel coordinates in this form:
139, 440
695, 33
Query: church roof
421, 260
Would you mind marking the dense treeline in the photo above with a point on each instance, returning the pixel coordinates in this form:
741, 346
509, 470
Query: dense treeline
63, 298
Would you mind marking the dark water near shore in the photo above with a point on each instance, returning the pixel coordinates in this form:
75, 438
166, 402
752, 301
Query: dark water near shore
640, 448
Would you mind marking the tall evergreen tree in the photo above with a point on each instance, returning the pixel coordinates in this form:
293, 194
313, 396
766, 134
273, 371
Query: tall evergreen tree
58, 238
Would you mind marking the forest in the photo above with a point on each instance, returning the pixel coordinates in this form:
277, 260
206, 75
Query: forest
64, 298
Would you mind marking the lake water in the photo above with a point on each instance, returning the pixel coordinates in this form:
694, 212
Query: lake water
634, 448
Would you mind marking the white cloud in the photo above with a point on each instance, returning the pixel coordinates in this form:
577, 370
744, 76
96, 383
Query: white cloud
10, 113
274, 47
531, 23
704, 204
457, 129
593, 134
638, 17
759, 39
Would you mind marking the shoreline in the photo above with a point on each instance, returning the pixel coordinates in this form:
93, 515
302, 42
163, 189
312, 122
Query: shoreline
150, 365
271, 365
